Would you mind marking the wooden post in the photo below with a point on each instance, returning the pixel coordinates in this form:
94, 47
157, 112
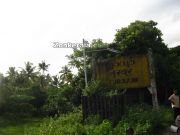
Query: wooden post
152, 88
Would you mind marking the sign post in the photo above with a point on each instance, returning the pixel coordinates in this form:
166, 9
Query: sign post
129, 72
152, 87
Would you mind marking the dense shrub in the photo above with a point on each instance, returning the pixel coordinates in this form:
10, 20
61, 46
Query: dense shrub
4, 97
97, 88
39, 95
58, 102
142, 118
36, 100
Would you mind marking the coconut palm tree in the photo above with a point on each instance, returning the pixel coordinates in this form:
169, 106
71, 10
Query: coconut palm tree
43, 67
29, 71
65, 74
12, 73
55, 81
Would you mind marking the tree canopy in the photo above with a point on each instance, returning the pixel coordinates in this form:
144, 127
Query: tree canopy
138, 37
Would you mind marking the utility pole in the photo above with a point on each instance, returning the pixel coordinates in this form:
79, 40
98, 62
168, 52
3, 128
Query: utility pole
152, 88
84, 55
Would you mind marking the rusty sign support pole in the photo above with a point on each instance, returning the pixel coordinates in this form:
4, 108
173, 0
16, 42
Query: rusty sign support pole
152, 88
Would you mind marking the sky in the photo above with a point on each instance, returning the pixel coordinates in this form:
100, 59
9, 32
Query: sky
28, 28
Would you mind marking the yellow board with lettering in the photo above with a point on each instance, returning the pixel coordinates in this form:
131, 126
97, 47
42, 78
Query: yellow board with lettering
124, 72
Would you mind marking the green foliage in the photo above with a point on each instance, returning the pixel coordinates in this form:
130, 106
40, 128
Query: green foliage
5, 93
19, 105
69, 124
10, 125
21, 98
98, 43
95, 88
92, 89
59, 101
66, 75
174, 68
105, 128
39, 96
93, 120
29, 72
43, 66
138, 37
143, 120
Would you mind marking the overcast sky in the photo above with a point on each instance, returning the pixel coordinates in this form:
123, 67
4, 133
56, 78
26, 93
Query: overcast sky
28, 28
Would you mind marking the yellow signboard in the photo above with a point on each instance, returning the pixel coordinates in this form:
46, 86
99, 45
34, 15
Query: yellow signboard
124, 72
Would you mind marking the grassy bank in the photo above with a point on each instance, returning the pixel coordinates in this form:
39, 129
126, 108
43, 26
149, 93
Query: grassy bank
17, 126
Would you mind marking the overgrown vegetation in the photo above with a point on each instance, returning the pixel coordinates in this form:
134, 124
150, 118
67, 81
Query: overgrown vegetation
142, 118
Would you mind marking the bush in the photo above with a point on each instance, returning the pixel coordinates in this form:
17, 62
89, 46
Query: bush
144, 120
5, 93
96, 88
66, 124
141, 118
57, 103
22, 101
19, 105
39, 96
93, 119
